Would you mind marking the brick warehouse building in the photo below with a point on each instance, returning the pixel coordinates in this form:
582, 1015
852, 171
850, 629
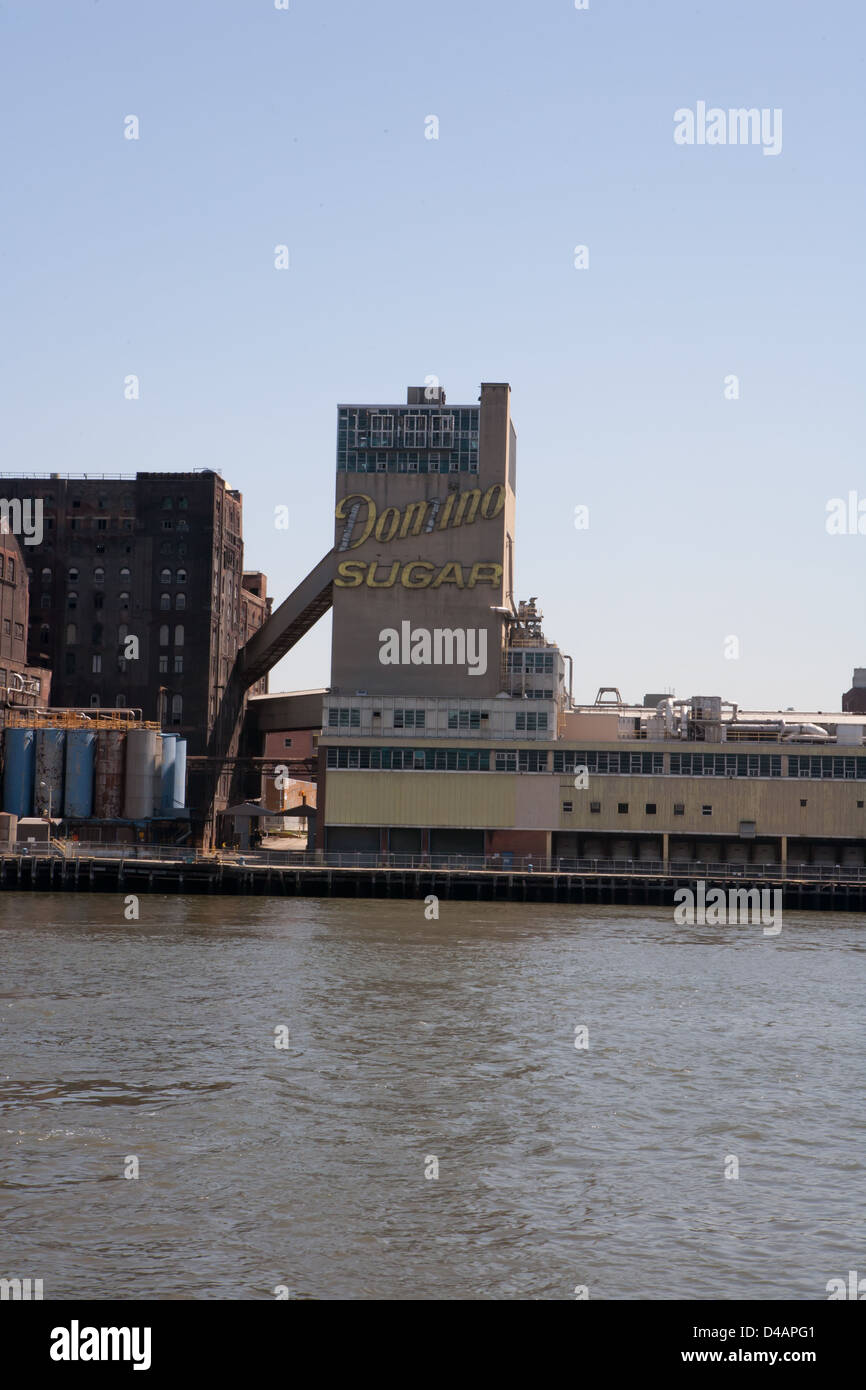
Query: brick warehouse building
157, 557
21, 685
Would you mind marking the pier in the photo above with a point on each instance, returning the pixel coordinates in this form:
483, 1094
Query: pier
276, 873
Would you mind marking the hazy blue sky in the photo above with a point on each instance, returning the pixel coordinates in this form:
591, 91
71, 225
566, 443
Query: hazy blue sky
455, 256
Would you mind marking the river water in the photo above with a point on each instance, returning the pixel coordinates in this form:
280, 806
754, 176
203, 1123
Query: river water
411, 1040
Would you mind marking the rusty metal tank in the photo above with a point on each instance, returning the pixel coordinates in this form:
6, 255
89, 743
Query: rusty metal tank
108, 779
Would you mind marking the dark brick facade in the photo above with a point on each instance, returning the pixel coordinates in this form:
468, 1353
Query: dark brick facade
157, 558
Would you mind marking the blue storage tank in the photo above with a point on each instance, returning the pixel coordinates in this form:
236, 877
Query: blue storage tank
80, 757
166, 777
18, 772
180, 775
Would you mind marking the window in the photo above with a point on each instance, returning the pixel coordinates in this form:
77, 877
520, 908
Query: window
176, 708
650, 808
180, 577
165, 576
69, 661
168, 526
72, 599
98, 600
178, 635
1, 566
166, 504
183, 503
381, 431
163, 635
595, 807
123, 600
344, 718
165, 547
287, 743
528, 760
95, 701
165, 601
19, 631
72, 576
163, 665
622, 808
506, 762
102, 524
120, 701
531, 721
679, 808
568, 807
706, 810
10, 569
464, 719
97, 634
45, 635
804, 803
125, 572
121, 632
46, 576
178, 666
180, 601
99, 575
45, 601
409, 718
96, 664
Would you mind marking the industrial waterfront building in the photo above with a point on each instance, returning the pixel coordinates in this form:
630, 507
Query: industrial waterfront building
138, 597
426, 749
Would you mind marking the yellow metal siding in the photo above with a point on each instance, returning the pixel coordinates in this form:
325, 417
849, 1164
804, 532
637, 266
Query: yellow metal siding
468, 800
774, 805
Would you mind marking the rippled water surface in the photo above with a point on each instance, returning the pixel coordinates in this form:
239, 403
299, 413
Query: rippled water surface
409, 1038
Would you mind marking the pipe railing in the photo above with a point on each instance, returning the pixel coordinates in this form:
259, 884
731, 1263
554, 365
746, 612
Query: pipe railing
452, 863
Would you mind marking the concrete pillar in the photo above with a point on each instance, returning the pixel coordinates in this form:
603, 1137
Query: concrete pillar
666, 840
783, 857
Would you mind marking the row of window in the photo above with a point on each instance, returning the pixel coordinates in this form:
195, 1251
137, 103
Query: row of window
73, 574
439, 759
715, 764
627, 763
531, 721
521, 660
19, 629
650, 808
531, 760
7, 568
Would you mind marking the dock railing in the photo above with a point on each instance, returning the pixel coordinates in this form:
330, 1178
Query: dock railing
451, 863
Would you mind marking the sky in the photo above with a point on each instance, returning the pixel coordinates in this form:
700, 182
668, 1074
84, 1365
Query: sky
454, 256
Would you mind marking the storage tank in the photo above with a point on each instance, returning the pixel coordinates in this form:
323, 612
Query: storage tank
179, 797
108, 779
48, 777
80, 757
140, 772
18, 772
166, 779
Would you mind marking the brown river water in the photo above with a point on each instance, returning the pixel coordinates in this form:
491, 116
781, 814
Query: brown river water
413, 1040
